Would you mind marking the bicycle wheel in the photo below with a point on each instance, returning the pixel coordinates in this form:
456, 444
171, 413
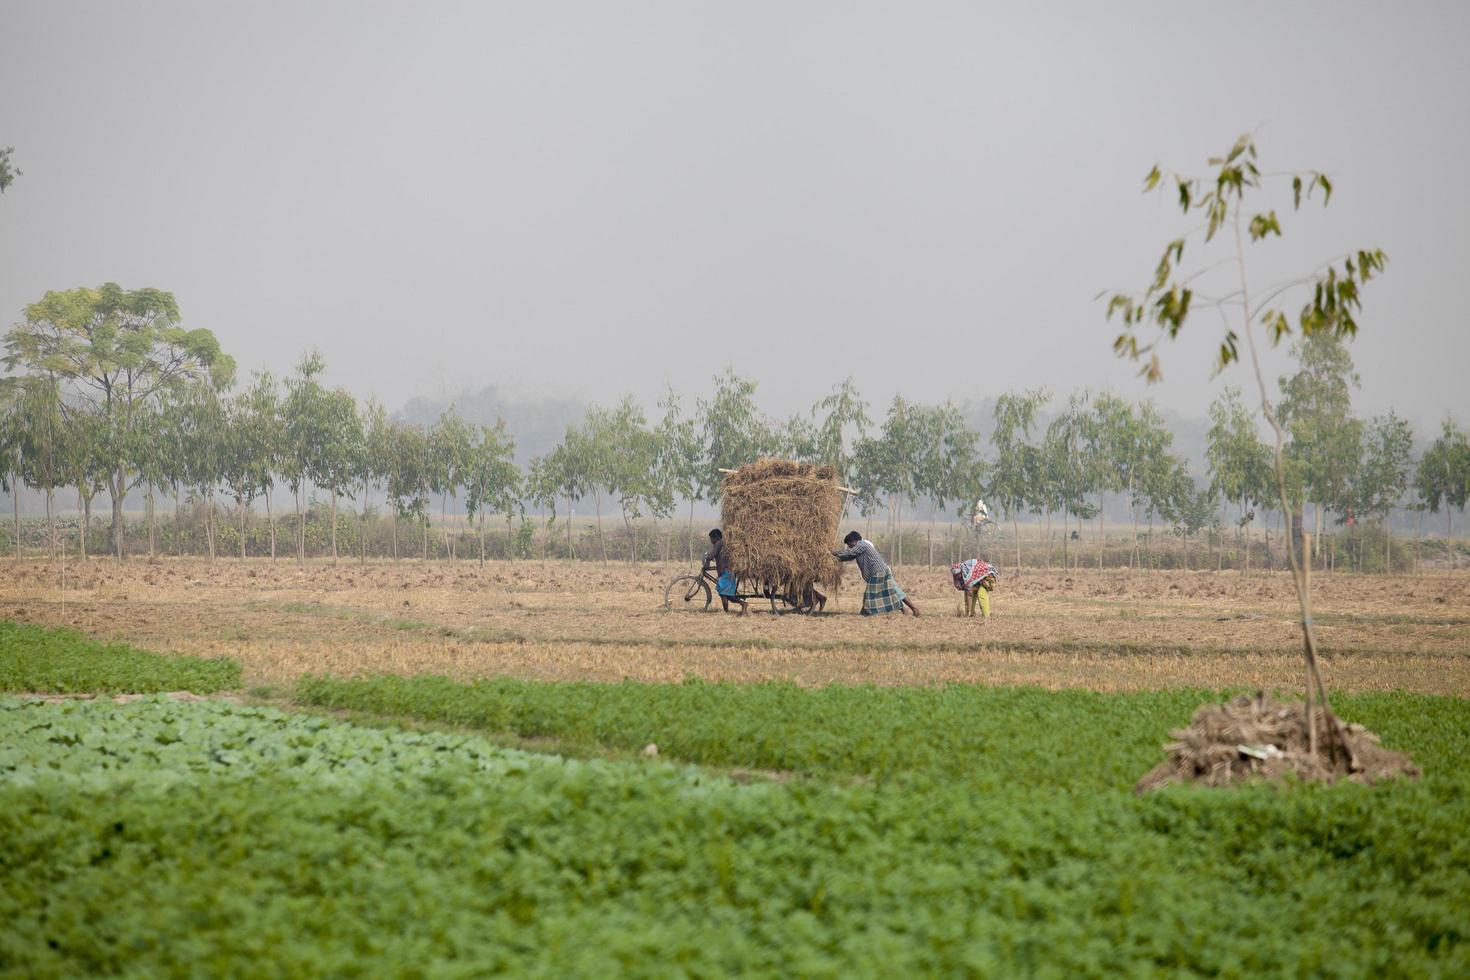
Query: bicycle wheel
686, 592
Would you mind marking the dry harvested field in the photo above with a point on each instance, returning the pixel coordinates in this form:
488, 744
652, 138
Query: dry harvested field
541, 620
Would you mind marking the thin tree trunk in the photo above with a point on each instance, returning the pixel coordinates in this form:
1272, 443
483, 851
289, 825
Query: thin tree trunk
571, 554
178, 526
270, 521
1133, 523
15, 503
1418, 533
601, 542
898, 525
50, 525
240, 503
1245, 570
81, 527
209, 523
1016, 530
688, 533
152, 525
482, 536
300, 528
1388, 542
119, 491
444, 522
334, 523
426, 538
1100, 502
393, 521
1048, 539
1077, 558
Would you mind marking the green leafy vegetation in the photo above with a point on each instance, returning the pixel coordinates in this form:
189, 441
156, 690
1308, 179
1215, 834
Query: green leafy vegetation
33, 658
986, 735
994, 833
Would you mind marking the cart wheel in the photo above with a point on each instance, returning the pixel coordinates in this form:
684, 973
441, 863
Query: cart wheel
686, 592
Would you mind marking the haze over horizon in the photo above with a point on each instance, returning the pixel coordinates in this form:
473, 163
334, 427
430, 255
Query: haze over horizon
586, 200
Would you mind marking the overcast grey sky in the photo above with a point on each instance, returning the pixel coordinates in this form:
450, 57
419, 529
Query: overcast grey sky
593, 198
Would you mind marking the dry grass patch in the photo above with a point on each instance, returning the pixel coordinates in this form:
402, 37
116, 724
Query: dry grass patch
544, 620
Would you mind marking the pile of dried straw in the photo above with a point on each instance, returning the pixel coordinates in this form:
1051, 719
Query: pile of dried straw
780, 522
1256, 738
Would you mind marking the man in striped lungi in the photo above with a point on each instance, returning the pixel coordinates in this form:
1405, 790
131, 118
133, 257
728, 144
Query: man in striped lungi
881, 593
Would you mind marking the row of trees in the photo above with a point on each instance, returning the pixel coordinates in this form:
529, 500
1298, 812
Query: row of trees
113, 396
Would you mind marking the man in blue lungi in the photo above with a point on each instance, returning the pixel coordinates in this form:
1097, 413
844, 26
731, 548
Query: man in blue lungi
726, 586
881, 593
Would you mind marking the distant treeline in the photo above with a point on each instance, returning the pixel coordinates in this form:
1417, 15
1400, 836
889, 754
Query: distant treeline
114, 397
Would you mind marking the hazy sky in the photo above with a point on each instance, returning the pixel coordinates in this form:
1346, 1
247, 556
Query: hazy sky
593, 198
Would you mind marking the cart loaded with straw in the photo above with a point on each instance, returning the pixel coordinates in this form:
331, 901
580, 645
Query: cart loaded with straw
780, 519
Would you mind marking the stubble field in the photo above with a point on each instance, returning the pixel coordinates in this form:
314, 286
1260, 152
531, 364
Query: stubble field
588, 621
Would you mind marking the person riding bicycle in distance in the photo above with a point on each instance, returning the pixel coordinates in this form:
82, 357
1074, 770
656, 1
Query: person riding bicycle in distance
726, 584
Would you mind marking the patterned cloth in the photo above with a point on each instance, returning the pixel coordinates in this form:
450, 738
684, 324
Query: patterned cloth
726, 585
869, 562
970, 573
882, 595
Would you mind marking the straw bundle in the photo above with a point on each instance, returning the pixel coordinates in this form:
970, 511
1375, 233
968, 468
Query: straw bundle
780, 522
1251, 738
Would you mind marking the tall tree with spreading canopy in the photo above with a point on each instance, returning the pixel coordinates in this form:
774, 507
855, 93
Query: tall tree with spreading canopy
1331, 305
1071, 463
1443, 475
1239, 463
492, 479
204, 427
260, 414
681, 456
303, 419
12, 419
85, 460
735, 431
948, 464
632, 468
113, 350
841, 421
1110, 439
449, 440
40, 444
1316, 410
1013, 474
1383, 477
374, 463
567, 468
336, 462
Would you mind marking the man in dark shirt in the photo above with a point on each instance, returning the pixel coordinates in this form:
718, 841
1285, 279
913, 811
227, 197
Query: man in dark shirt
726, 586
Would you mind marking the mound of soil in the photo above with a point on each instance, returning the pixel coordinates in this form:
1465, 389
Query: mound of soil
1254, 738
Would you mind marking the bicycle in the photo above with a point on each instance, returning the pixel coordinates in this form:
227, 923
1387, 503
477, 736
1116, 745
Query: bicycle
688, 589
697, 592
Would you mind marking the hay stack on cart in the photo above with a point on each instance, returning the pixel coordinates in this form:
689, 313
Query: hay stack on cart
780, 520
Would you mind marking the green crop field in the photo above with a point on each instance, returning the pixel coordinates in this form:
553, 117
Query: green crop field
64, 662
961, 829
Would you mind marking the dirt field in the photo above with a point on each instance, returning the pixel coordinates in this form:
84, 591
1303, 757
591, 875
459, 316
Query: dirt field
606, 622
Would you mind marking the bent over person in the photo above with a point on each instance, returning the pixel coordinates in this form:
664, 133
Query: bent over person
726, 584
976, 579
881, 593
